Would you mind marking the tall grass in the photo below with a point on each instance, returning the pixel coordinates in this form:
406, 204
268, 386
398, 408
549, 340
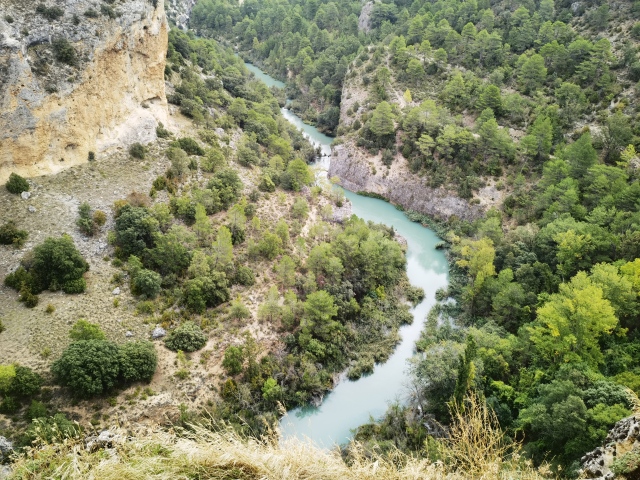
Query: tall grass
475, 450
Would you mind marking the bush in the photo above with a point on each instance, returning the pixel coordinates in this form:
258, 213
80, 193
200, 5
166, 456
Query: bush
25, 384
75, 286
147, 283
84, 330
88, 367
134, 230
58, 264
162, 132
84, 221
36, 410
10, 235
188, 337
137, 150
203, 292
244, 276
138, 361
233, 360
17, 184
99, 218
189, 145
51, 429
50, 13
64, 51
19, 278
91, 13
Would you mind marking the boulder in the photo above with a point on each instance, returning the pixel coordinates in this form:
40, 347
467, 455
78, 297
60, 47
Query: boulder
158, 332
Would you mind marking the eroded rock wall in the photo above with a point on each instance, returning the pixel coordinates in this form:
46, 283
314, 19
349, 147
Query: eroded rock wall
110, 94
359, 172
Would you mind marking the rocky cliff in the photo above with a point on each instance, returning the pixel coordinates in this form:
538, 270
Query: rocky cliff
619, 457
179, 12
359, 172
78, 77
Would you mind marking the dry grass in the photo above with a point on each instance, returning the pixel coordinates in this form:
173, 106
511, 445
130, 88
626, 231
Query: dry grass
474, 451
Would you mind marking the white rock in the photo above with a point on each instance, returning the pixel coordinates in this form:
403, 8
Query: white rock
25, 195
158, 332
116, 291
32, 209
128, 334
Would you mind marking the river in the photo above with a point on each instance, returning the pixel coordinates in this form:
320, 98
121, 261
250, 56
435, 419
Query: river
352, 403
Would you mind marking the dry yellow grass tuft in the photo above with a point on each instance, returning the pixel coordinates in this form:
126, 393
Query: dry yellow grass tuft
474, 451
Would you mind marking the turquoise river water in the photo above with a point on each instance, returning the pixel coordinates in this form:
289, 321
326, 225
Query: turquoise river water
352, 403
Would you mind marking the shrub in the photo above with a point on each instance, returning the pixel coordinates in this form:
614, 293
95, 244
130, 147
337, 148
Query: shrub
36, 410
244, 276
203, 292
84, 330
99, 218
147, 283
51, 429
75, 286
189, 145
58, 264
88, 367
134, 230
28, 298
26, 383
17, 184
50, 13
1, 327
188, 337
138, 361
107, 11
91, 13
64, 51
137, 150
19, 278
233, 360
162, 132
10, 235
91, 156
84, 221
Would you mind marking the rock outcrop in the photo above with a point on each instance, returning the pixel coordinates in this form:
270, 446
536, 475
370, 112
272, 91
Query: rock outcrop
619, 455
360, 173
78, 77
179, 12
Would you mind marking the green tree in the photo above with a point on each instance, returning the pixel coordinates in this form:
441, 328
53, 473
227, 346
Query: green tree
299, 173
286, 270
222, 250
570, 323
581, 156
477, 257
538, 142
466, 372
532, 74
202, 226
490, 98
381, 123
233, 360
57, 264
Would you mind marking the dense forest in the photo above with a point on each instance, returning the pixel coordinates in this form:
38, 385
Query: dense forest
538, 98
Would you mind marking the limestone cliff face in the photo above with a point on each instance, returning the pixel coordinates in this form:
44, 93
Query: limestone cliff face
359, 172
58, 104
179, 12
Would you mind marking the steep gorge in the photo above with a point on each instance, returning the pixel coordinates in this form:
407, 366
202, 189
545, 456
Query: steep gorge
106, 93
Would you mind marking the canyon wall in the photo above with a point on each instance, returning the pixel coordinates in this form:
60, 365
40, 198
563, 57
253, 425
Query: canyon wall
78, 78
